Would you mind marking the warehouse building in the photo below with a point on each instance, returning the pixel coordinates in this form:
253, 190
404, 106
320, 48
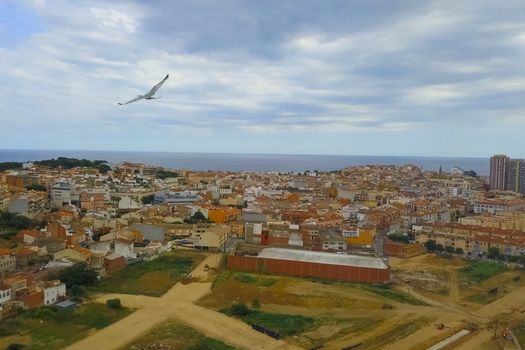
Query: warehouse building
305, 263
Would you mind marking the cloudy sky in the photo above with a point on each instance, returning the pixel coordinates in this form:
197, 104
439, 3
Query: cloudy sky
441, 78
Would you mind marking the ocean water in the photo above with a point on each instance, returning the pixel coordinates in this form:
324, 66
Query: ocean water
250, 162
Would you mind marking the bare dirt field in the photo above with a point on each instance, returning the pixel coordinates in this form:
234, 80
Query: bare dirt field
177, 304
428, 291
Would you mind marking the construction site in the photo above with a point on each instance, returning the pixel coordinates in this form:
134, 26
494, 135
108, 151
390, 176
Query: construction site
429, 302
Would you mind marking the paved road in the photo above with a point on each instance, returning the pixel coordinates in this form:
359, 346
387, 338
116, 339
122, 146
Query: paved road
178, 304
377, 244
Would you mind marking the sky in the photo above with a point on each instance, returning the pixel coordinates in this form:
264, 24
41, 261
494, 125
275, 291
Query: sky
350, 77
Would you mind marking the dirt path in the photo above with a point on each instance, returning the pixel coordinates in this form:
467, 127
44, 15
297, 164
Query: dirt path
177, 304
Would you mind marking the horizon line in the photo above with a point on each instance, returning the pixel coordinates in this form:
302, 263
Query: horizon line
245, 153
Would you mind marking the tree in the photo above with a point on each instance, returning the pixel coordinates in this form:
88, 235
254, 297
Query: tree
103, 168
78, 274
439, 247
470, 173
459, 251
37, 187
148, 199
256, 304
521, 259
10, 166
430, 245
449, 249
494, 253
114, 303
164, 174
399, 237
77, 291
240, 309
18, 222
196, 218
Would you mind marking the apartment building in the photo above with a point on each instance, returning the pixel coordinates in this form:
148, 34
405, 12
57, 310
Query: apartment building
473, 239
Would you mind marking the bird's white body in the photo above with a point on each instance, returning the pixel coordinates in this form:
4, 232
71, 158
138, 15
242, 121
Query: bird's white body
149, 94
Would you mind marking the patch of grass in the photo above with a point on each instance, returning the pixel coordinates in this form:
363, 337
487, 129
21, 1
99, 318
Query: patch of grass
396, 333
99, 315
482, 298
52, 329
222, 278
176, 336
390, 293
282, 324
255, 279
323, 281
210, 344
266, 282
245, 278
359, 324
152, 278
479, 271
443, 291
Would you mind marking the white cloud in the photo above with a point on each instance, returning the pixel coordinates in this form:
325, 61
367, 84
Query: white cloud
114, 20
333, 77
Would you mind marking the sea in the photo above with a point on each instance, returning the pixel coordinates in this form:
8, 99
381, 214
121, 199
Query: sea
251, 162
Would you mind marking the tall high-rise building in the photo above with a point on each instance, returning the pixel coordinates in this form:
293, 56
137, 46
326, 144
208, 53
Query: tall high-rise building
498, 172
507, 174
515, 176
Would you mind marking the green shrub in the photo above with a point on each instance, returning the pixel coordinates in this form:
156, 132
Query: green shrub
114, 303
42, 313
283, 324
239, 309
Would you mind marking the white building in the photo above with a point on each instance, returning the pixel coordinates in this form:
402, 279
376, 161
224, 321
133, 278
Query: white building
53, 290
61, 193
126, 203
5, 294
125, 248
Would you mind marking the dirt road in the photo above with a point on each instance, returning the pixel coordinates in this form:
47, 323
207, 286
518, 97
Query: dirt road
178, 304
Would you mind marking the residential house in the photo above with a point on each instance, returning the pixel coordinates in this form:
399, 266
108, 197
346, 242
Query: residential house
53, 291
332, 240
5, 293
114, 262
7, 262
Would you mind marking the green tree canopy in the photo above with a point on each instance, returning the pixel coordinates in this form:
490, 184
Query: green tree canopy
399, 237
196, 218
79, 274
147, 199
494, 253
430, 245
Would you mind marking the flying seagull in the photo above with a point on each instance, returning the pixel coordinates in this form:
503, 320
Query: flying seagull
149, 95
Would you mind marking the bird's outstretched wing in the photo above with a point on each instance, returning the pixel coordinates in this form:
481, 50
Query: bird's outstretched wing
133, 100
156, 87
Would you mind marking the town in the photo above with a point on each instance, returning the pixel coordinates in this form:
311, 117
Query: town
364, 257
